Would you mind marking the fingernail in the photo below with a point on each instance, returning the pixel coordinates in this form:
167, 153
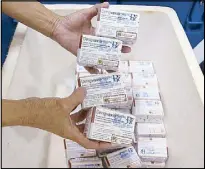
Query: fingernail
97, 71
105, 4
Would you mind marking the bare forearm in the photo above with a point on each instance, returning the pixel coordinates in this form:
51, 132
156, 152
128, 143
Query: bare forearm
32, 14
33, 112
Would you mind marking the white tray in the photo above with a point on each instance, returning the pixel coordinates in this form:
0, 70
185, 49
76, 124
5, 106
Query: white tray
36, 66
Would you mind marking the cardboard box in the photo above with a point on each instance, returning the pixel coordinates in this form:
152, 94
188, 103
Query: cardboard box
115, 147
148, 111
145, 67
153, 165
146, 93
123, 66
99, 52
117, 24
126, 111
103, 124
152, 149
144, 80
104, 90
124, 158
93, 162
101, 80
74, 150
150, 130
125, 105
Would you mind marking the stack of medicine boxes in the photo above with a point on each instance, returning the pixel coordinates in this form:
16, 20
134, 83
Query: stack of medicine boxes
149, 147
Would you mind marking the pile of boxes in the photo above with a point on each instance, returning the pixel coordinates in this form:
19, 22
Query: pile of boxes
125, 106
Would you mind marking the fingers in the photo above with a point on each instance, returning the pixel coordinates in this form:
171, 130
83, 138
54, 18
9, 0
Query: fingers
92, 30
104, 5
93, 11
80, 116
81, 128
74, 99
88, 144
92, 70
101, 145
111, 71
126, 49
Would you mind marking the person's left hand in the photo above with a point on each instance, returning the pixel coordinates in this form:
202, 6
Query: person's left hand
69, 29
54, 115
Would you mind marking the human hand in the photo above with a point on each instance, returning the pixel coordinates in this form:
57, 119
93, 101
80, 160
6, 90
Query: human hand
55, 117
68, 29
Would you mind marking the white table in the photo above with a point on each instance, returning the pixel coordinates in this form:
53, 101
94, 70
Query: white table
36, 66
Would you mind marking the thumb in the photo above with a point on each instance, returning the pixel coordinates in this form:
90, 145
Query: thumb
74, 99
94, 10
